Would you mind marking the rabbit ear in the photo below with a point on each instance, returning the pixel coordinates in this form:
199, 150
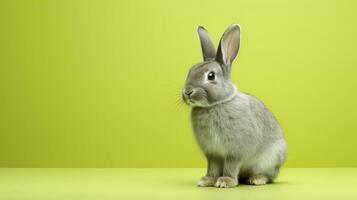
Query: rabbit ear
208, 50
229, 46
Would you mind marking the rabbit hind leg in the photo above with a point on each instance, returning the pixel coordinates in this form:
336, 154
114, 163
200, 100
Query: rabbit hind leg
258, 177
263, 168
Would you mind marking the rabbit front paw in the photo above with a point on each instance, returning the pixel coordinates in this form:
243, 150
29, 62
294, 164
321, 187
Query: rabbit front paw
206, 181
226, 182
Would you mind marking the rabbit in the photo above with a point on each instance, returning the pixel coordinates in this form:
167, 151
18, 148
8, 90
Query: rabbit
240, 138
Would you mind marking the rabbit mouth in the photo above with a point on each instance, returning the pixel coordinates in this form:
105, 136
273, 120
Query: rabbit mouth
190, 102
195, 103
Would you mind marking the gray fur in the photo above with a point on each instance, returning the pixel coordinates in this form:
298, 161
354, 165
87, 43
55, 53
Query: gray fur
238, 134
208, 50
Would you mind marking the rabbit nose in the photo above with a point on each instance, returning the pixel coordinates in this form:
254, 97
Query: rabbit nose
188, 93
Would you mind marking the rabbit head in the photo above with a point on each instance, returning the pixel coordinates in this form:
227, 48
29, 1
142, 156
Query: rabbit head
208, 83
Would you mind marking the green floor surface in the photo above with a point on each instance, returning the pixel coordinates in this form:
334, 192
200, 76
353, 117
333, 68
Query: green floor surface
122, 184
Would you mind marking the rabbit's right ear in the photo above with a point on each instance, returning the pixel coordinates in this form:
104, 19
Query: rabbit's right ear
228, 47
208, 50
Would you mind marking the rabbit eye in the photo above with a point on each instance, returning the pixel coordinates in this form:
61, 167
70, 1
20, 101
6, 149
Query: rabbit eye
211, 76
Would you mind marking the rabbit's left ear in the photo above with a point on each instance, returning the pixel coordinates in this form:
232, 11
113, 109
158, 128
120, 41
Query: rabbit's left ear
208, 50
229, 46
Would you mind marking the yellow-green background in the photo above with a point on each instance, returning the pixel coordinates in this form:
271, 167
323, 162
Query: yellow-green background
97, 83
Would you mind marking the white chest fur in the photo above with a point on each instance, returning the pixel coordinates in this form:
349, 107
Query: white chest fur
221, 129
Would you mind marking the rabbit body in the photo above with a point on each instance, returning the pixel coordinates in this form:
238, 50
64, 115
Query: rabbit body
239, 136
244, 129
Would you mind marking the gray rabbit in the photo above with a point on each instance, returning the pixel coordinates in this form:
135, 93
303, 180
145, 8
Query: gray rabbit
239, 136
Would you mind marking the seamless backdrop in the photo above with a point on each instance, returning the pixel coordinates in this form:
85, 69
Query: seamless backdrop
97, 83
